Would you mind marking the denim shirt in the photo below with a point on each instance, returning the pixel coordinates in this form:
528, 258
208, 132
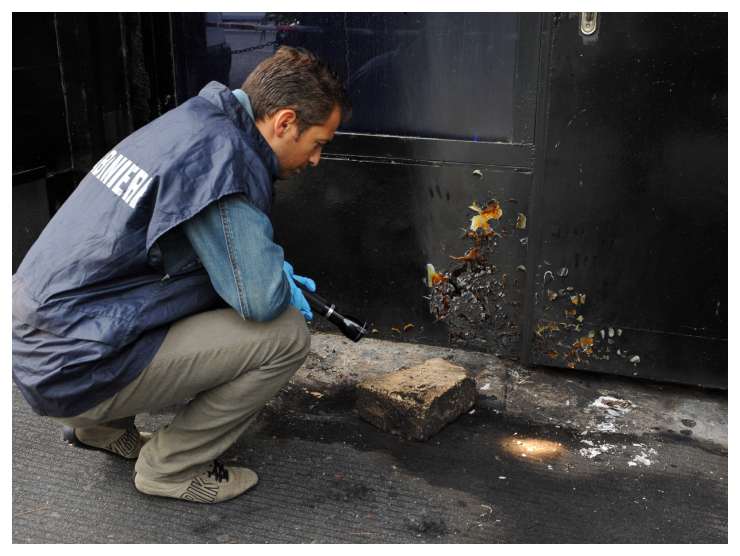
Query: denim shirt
233, 240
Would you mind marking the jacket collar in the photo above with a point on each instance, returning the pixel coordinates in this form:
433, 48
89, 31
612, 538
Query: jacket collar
243, 99
222, 97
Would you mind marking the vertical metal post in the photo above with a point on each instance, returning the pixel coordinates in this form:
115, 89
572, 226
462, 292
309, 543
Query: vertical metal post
63, 86
126, 71
538, 183
174, 61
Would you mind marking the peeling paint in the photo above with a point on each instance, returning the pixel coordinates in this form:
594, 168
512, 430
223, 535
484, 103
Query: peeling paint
472, 255
434, 277
572, 308
492, 211
472, 297
578, 299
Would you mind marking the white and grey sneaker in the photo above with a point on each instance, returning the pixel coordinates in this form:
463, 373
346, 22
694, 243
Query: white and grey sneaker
126, 443
218, 484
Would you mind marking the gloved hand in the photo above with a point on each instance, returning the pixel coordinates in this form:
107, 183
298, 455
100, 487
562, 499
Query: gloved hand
297, 299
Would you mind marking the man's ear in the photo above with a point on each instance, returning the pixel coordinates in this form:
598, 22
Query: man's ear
284, 120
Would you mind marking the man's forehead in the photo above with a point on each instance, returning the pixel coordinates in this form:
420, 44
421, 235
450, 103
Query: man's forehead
325, 134
334, 119
325, 131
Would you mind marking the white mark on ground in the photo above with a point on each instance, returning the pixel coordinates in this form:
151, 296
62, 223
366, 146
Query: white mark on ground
592, 451
642, 458
614, 406
606, 426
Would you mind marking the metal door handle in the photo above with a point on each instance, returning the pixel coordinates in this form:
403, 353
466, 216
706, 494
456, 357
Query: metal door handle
588, 22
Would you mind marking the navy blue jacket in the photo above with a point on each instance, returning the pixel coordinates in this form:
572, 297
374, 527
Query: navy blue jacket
91, 301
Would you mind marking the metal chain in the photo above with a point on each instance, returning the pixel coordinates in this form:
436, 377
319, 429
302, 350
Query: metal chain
251, 48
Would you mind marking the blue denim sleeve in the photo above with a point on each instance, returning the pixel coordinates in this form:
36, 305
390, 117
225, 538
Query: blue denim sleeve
233, 240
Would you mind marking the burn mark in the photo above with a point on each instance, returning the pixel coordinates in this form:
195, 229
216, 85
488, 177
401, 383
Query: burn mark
479, 303
560, 334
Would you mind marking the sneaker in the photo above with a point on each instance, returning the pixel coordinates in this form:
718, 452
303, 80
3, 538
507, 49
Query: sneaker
218, 484
127, 444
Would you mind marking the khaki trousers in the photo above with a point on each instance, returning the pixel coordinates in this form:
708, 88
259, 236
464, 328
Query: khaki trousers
227, 367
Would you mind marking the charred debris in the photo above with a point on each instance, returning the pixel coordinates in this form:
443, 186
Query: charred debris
479, 303
482, 305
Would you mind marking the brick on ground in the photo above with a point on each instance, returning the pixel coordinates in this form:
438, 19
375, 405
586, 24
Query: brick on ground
417, 402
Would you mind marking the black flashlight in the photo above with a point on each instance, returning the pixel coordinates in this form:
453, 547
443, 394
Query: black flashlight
350, 326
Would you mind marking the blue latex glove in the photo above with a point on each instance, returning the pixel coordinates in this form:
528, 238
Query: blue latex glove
297, 299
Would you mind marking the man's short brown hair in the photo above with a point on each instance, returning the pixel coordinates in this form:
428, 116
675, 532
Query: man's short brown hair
295, 78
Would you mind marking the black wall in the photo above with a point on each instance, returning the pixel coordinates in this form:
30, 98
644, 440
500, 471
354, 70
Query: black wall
613, 147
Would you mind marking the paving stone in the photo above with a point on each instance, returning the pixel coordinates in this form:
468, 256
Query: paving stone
417, 402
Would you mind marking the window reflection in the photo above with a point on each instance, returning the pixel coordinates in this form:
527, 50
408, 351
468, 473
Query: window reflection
425, 75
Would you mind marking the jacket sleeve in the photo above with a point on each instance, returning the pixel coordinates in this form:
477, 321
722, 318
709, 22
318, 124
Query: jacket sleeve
234, 241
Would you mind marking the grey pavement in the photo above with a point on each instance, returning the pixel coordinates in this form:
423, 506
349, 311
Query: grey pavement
546, 456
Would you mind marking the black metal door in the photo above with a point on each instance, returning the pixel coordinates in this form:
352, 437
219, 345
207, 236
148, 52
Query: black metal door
443, 117
629, 251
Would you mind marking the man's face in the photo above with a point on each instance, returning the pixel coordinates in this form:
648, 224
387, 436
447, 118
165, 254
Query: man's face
297, 151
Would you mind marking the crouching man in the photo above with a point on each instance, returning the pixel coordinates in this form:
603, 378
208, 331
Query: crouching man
158, 281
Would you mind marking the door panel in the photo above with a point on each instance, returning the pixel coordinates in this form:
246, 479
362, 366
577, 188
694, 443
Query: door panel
632, 202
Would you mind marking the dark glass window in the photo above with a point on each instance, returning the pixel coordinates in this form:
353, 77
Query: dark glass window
412, 74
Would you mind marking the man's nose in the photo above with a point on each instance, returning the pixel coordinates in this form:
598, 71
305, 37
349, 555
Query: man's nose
314, 160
